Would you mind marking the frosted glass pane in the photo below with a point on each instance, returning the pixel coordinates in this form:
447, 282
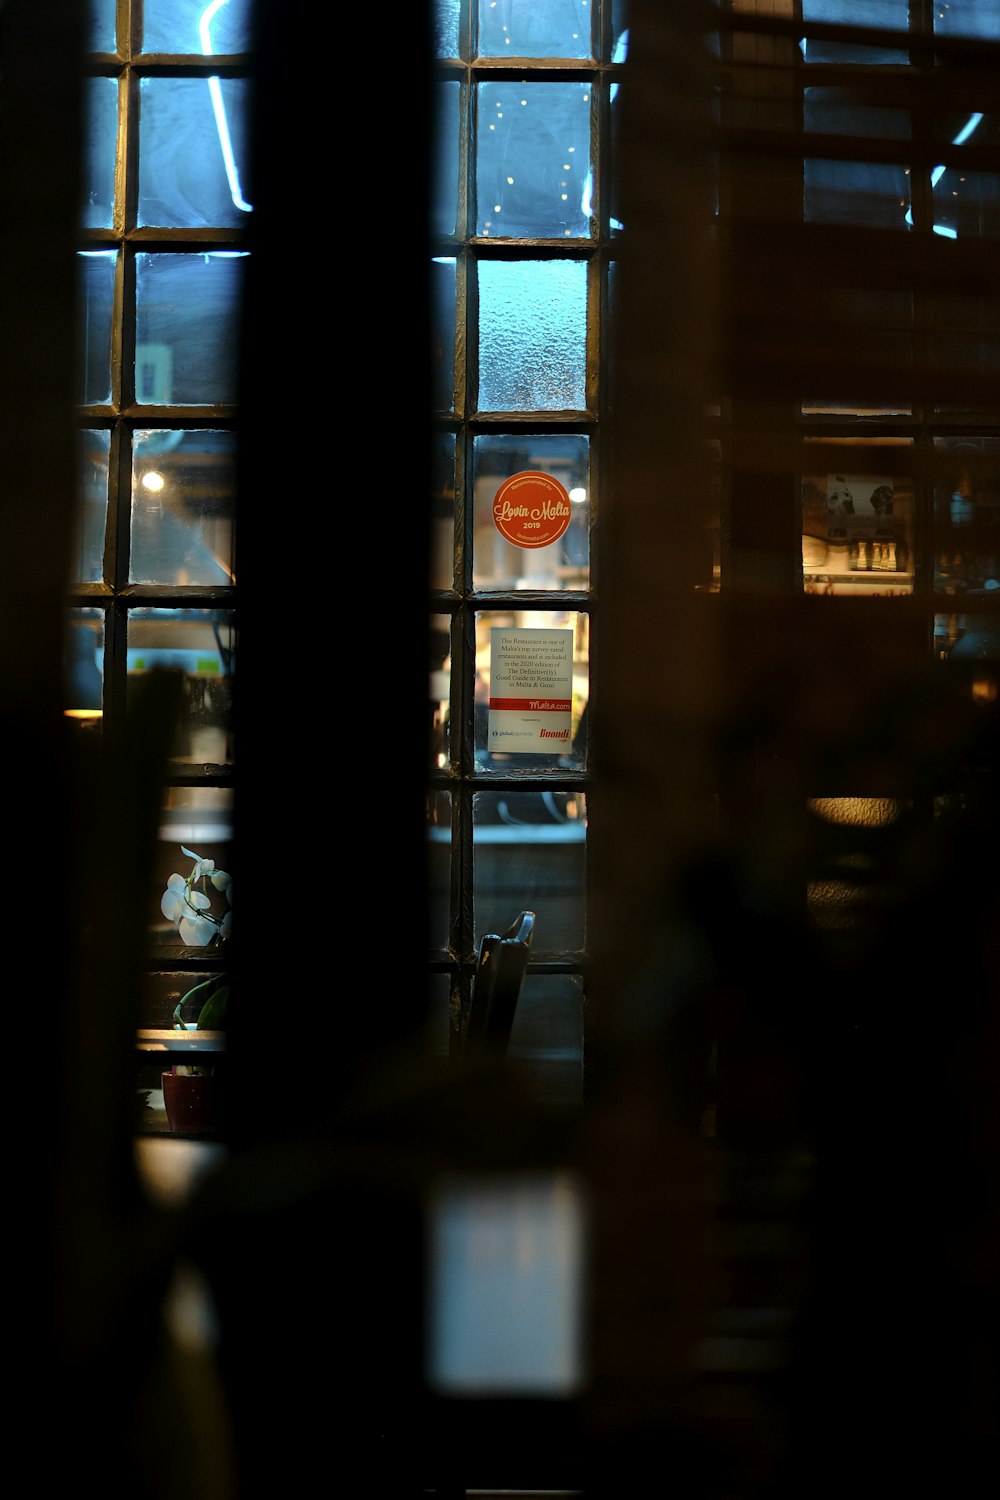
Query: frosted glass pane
446, 14
87, 558
193, 154
183, 504
97, 294
532, 335
444, 204
546, 28
968, 18
187, 327
533, 159
100, 132
887, 14
100, 26
177, 26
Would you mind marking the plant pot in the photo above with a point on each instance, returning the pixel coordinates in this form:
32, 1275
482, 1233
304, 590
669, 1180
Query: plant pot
191, 1102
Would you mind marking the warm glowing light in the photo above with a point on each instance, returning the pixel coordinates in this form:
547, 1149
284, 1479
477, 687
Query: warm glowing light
578, 495
152, 480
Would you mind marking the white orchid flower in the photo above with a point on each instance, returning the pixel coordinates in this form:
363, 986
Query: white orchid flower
191, 909
172, 900
197, 931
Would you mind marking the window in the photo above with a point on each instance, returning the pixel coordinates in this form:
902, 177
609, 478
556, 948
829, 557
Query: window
524, 228
162, 266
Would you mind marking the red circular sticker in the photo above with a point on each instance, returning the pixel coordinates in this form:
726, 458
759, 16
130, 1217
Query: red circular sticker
531, 509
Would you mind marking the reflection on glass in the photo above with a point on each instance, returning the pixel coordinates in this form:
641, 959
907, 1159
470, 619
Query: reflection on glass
529, 852
443, 305
100, 133
446, 19
196, 26
87, 557
564, 563
95, 304
442, 538
546, 28
533, 159
183, 507
972, 638
192, 160
571, 751
444, 206
967, 515
84, 664
439, 867
546, 1038
187, 327
439, 690
532, 335
197, 818
857, 529
199, 644
875, 14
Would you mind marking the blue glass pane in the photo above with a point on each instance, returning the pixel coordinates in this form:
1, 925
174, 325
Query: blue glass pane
83, 666
444, 206
96, 305
443, 334
619, 30
546, 28
533, 159
209, 27
187, 328
532, 335
193, 157
446, 18
873, 194
892, 15
183, 507
100, 134
968, 18
87, 559
100, 24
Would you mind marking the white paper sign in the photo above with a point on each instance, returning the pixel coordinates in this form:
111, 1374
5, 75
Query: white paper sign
531, 691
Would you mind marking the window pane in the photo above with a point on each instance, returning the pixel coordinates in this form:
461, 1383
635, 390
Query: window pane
967, 203
564, 563
199, 643
555, 651
967, 18
442, 538
87, 559
183, 507
529, 852
439, 689
196, 818
187, 327
871, 333
965, 348
532, 335
857, 527
446, 19
967, 515
100, 133
444, 207
100, 32
192, 151
546, 1038
84, 665
438, 867
546, 28
533, 159
872, 194
196, 26
96, 304
443, 333
888, 15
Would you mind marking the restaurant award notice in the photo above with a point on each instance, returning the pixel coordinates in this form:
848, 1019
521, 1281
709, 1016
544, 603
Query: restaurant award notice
531, 691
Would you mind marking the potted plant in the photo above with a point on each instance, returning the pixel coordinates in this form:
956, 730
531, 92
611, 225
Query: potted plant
200, 905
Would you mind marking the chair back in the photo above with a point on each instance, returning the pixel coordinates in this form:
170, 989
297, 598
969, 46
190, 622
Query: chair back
496, 987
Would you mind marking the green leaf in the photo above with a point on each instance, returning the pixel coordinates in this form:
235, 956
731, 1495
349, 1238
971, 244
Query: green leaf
213, 1012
